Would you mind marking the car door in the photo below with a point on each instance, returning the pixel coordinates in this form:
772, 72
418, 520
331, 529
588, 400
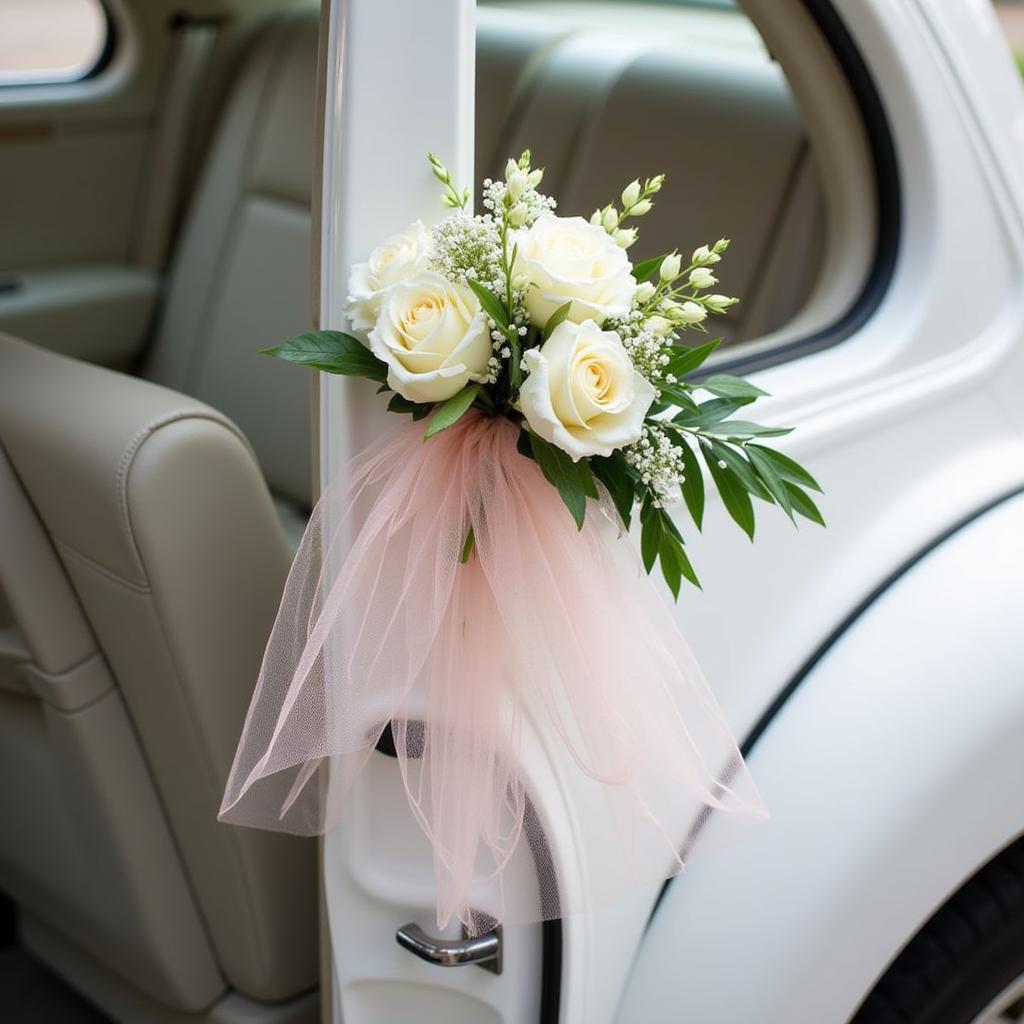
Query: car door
862, 376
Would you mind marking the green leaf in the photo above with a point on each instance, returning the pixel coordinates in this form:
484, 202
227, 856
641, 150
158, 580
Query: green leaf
711, 413
737, 462
650, 541
523, 445
803, 505
742, 429
693, 484
417, 410
661, 541
671, 567
574, 481
734, 494
515, 369
614, 473
331, 352
647, 268
400, 404
685, 566
684, 361
450, 412
490, 303
674, 563
467, 547
679, 397
726, 386
788, 469
765, 471
556, 318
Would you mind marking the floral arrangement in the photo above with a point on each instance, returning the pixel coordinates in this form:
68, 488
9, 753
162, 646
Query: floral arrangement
543, 319
467, 612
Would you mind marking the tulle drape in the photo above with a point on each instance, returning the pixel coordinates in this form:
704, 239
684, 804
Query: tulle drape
544, 628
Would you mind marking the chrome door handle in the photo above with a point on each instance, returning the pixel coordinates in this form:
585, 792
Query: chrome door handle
482, 950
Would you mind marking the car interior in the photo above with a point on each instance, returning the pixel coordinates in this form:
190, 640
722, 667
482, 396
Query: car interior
158, 228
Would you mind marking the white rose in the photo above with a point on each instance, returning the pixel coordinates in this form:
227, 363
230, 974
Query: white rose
389, 264
583, 394
433, 336
567, 259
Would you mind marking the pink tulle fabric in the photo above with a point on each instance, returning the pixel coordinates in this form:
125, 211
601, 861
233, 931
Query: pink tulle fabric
545, 632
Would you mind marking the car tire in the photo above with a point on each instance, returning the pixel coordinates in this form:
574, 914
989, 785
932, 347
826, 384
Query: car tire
963, 958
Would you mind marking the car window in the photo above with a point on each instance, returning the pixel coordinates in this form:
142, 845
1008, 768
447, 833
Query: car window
606, 90
50, 40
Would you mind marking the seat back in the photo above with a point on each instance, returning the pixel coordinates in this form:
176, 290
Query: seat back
240, 279
141, 562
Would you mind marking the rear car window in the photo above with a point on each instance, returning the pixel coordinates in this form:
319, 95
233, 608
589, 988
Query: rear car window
44, 41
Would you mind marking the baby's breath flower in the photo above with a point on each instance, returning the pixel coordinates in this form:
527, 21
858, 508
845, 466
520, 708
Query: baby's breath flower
658, 459
464, 247
644, 345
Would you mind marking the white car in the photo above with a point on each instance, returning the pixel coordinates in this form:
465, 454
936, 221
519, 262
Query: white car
867, 159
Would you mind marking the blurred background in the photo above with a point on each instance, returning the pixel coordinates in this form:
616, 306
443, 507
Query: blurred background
51, 40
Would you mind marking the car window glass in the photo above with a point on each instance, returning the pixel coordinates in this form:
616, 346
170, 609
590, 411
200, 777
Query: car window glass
50, 40
607, 90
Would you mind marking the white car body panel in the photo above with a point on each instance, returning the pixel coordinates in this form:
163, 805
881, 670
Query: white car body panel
912, 424
892, 773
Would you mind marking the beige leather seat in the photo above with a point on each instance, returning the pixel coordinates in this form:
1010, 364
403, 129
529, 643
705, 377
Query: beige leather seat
141, 561
240, 280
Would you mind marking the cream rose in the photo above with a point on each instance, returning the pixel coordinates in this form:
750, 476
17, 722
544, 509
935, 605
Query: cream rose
433, 336
583, 394
568, 259
389, 264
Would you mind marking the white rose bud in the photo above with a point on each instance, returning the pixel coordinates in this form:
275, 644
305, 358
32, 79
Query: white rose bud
719, 303
609, 218
433, 336
659, 325
644, 291
390, 263
624, 237
701, 277
517, 216
516, 185
565, 259
670, 267
644, 206
520, 282
582, 393
703, 255
691, 313
630, 194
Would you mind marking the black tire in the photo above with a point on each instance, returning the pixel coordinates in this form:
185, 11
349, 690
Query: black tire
968, 953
